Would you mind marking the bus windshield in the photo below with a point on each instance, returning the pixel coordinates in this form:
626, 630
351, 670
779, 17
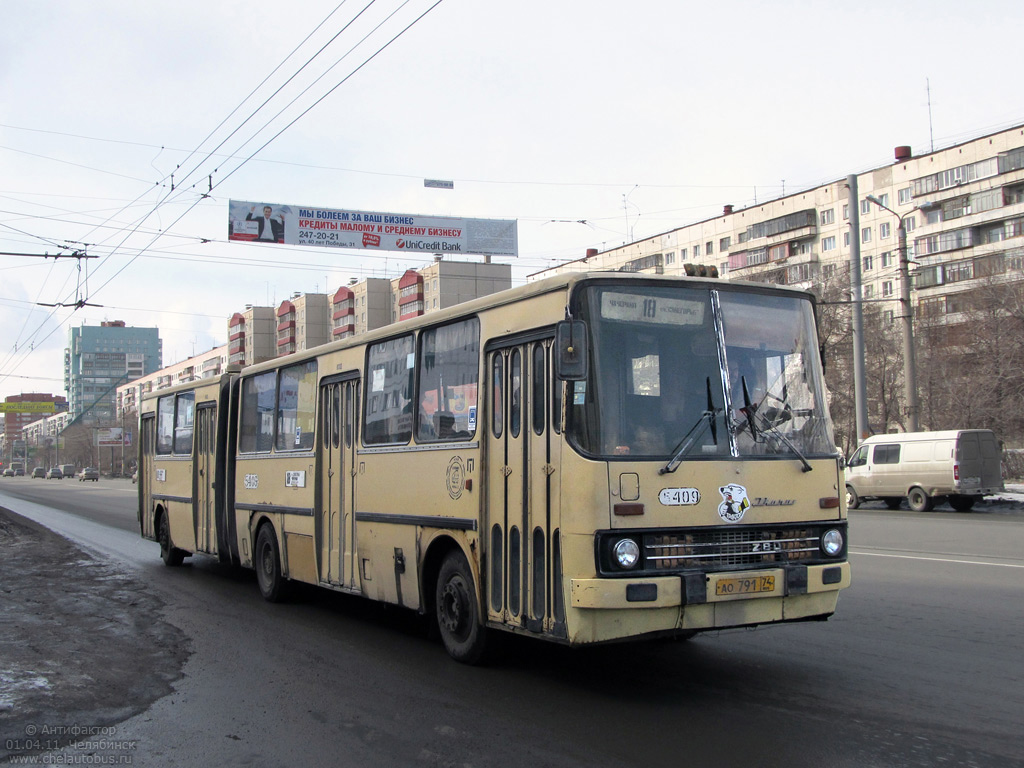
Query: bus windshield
687, 372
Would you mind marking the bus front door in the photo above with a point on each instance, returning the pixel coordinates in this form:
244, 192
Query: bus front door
205, 479
522, 481
147, 443
339, 410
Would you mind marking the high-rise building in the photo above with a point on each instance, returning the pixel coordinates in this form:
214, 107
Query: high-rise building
99, 358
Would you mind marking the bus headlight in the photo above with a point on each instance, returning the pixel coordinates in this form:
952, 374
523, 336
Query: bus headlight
627, 553
832, 542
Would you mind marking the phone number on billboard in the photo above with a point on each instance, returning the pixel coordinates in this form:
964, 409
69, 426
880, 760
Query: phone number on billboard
325, 237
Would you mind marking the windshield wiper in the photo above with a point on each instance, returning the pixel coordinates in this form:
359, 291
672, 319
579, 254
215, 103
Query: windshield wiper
706, 419
769, 425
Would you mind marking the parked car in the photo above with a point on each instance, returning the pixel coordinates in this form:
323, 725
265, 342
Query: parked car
67, 470
54, 473
39, 472
9, 472
19, 472
89, 473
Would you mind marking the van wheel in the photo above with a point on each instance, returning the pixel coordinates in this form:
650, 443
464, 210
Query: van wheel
170, 554
919, 501
458, 615
268, 566
892, 502
961, 503
852, 499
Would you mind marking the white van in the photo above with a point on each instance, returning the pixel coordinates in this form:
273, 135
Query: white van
925, 467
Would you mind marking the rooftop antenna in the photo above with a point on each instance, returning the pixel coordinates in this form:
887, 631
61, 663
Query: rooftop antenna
928, 90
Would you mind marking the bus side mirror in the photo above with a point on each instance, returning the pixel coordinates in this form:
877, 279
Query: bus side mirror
571, 357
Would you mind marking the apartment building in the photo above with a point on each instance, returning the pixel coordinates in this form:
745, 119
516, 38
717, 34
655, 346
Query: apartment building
307, 320
962, 208
203, 366
252, 335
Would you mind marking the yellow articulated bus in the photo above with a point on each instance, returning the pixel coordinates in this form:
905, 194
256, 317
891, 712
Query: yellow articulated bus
583, 459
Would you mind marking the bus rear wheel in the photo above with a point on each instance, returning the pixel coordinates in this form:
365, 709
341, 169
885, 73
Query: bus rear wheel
458, 616
268, 566
170, 554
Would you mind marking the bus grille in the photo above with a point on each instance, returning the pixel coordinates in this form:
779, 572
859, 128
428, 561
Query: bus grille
731, 548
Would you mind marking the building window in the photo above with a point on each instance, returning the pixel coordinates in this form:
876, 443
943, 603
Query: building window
868, 262
828, 243
670, 257
883, 199
682, 254
846, 212
865, 235
909, 223
865, 206
708, 248
884, 230
869, 291
846, 239
696, 251
828, 217
724, 243
828, 271
888, 260
905, 195
887, 288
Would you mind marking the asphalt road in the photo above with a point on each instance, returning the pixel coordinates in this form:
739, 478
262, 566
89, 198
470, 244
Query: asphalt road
921, 666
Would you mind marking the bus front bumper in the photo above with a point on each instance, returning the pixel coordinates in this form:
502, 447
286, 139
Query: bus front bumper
605, 608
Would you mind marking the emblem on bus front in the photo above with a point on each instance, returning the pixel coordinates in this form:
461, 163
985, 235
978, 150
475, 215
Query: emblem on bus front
734, 502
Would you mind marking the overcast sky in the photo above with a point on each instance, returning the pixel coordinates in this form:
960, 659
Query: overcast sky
588, 122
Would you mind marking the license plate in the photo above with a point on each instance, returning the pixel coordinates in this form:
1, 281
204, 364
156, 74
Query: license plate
745, 585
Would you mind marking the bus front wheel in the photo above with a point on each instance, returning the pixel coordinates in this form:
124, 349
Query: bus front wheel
458, 618
268, 566
170, 554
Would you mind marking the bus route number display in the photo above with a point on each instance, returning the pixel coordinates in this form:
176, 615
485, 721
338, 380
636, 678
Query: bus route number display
659, 310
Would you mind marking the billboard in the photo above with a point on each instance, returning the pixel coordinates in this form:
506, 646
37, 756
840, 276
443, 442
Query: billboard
108, 437
368, 230
28, 407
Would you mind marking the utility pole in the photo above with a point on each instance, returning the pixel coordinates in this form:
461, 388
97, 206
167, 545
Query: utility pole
907, 319
859, 379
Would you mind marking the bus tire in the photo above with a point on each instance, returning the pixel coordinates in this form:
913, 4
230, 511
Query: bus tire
919, 501
170, 554
268, 565
852, 499
457, 611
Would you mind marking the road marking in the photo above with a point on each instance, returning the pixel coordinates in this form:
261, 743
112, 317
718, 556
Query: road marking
936, 559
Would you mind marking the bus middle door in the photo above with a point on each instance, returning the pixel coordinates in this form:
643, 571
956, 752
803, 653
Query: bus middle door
339, 407
205, 479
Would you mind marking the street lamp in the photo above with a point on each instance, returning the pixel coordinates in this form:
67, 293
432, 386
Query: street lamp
909, 359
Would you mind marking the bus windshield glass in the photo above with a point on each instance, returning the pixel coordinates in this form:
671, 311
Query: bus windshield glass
687, 372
